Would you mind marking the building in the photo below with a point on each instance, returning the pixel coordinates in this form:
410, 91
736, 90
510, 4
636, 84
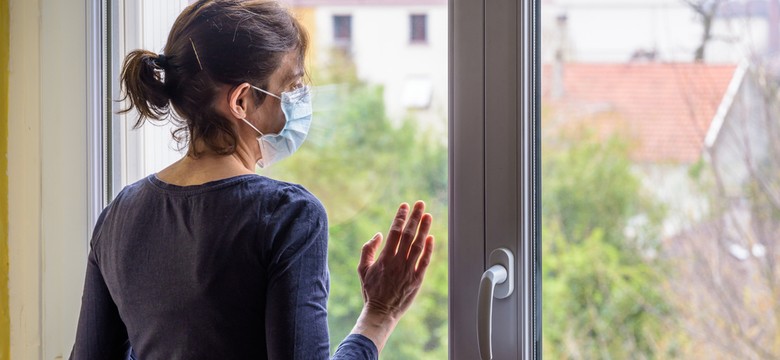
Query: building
399, 44
665, 110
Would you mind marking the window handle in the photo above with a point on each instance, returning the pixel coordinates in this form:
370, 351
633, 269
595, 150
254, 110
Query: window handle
498, 282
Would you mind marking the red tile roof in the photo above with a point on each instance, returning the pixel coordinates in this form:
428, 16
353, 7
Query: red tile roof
667, 108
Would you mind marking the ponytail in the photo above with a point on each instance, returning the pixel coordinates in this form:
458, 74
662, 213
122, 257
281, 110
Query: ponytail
143, 83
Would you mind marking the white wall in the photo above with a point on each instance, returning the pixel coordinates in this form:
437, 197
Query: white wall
744, 140
47, 175
383, 54
672, 187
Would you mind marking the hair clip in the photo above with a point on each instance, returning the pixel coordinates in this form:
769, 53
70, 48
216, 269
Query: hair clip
196, 54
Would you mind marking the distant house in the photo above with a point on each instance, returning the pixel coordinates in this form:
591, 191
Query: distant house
399, 44
672, 113
723, 265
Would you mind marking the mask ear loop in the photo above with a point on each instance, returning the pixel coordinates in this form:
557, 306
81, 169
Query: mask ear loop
250, 124
261, 134
253, 127
266, 92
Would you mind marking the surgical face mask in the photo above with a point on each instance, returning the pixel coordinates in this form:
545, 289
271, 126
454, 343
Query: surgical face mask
296, 106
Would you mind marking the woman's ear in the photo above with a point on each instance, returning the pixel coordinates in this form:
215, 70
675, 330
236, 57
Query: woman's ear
239, 99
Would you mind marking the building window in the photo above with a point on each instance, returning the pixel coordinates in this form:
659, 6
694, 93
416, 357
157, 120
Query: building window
342, 29
418, 32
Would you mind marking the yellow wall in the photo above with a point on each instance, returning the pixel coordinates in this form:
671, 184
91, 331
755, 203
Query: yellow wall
5, 322
24, 178
306, 16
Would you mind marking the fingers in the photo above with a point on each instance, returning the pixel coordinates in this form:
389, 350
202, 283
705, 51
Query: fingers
425, 259
418, 244
394, 235
410, 231
368, 254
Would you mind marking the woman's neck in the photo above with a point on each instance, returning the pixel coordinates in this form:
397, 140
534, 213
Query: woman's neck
206, 167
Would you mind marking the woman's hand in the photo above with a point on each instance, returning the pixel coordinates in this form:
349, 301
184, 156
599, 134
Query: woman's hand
391, 280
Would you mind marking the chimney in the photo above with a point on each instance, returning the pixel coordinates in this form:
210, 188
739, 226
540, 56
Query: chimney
560, 57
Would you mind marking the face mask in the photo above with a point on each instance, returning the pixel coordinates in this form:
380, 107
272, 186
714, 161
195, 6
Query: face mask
296, 106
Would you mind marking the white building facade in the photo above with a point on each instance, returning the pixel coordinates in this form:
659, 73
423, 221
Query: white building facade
398, 44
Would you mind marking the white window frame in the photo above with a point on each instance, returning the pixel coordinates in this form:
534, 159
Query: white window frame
131, 158
97, 98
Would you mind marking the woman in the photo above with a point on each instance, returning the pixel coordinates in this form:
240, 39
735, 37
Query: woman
206, 259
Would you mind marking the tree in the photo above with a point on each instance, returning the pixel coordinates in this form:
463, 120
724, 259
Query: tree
706, 11
362, 165
602, 294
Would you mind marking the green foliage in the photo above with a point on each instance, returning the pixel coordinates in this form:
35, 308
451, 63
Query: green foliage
602, 296
362, 166
696, 170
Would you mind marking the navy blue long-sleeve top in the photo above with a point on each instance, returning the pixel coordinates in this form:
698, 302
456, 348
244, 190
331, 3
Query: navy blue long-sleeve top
230, 269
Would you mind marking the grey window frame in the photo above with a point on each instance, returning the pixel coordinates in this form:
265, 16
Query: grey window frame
494, 177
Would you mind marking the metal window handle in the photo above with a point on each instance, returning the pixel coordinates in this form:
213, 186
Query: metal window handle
497, 281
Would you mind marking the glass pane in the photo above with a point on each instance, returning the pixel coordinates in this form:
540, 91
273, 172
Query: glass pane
378, 138
660, 179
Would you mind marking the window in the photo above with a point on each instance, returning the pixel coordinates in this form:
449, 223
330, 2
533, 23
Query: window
659, 173
657, 153
418, 30
365, 154
342, 28
367, 151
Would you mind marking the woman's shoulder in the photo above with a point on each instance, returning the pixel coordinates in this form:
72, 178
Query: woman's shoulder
244, 191
270, 196
292, 195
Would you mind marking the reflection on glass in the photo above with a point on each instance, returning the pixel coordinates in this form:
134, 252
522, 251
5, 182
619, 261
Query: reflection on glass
661, 194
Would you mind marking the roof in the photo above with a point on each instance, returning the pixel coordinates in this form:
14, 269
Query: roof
666, 108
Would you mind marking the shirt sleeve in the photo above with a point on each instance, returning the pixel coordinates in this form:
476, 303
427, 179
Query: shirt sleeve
356, 346
298, 284
101, 334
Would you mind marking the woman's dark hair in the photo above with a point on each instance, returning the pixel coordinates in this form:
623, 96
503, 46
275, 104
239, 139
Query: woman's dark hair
212, 43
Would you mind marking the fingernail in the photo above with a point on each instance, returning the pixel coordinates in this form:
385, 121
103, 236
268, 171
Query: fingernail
376, 236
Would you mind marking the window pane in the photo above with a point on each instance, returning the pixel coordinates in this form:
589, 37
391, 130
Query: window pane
660, 179
418, 33
378, 138
342, 28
